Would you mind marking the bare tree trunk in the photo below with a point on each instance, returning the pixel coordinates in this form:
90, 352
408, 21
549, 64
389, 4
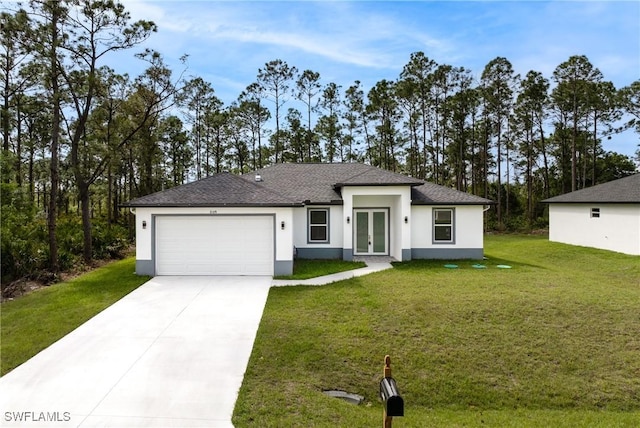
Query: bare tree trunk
573, 149
31, 177
595, 147
545, 160
5, 110
508, 184
109, 194
85, 207
499, 162
55, 135
18, 144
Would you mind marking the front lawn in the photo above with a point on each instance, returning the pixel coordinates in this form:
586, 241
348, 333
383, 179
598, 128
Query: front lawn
32, 322
553, 341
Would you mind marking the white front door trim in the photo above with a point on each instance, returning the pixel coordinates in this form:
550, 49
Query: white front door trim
371, 231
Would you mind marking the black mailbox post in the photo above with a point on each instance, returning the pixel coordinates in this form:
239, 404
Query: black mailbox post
393, 402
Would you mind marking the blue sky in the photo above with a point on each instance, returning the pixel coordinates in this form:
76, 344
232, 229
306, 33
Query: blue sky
228, 41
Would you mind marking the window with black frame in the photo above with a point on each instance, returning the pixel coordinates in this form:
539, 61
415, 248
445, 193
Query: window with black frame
443, 221
318, 225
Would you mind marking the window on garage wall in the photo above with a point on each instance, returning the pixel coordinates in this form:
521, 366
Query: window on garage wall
443, 225
318, 225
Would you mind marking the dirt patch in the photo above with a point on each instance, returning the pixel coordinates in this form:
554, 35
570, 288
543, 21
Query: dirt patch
540, 232
20, 288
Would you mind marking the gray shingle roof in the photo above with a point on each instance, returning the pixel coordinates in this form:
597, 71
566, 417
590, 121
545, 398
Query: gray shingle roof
319, 183
215, 191
378, 177
434, 194
622, 191
297, 185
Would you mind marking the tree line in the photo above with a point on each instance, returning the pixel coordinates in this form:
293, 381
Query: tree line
80, 138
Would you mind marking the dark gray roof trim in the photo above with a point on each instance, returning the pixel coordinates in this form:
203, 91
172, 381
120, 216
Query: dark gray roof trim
622, 191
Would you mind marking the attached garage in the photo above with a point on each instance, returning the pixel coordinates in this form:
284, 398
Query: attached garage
214, 245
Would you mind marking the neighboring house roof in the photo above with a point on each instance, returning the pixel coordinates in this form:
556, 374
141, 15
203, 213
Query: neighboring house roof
622, 191
434, 194
289, 184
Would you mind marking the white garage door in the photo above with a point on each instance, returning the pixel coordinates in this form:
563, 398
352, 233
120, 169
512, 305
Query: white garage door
214, 245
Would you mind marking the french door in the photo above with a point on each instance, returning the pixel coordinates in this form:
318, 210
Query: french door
371, 232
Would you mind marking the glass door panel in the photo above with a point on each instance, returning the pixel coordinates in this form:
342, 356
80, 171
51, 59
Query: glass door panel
379, 231
362, 232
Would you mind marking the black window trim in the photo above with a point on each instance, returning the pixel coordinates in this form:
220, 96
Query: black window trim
327, 225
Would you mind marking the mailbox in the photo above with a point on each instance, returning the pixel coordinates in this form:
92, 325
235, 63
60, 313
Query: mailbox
393, 402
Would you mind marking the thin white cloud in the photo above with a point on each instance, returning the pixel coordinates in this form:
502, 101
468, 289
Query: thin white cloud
158, 13
329, 48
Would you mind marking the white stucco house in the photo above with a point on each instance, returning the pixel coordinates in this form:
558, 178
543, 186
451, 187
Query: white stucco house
606, 216
256, 224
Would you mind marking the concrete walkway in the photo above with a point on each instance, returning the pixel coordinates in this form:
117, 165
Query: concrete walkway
170, 354
372, 266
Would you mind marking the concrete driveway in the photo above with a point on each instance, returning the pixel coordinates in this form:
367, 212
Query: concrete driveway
170, 354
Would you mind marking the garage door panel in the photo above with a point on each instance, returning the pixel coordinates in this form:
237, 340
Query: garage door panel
229, 245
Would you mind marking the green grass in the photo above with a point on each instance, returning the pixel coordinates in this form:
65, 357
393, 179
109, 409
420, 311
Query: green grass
35, 321
554, 341
306, 268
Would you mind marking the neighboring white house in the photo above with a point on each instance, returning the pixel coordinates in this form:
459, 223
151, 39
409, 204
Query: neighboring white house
605, 216
256, 224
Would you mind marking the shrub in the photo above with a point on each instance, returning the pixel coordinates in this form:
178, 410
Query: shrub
25, 238
24, 243
69, 234
109, 241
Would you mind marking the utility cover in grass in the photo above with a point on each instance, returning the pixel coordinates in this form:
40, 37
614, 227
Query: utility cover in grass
503, 267
346, 396
479, 266
451, 266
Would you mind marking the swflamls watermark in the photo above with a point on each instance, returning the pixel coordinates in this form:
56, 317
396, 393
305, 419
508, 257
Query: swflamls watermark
31, 416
